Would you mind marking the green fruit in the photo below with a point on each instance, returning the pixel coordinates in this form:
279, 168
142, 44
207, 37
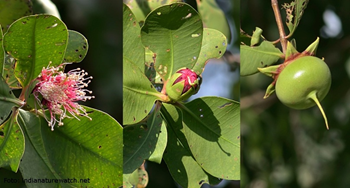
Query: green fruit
183, 84
303, 83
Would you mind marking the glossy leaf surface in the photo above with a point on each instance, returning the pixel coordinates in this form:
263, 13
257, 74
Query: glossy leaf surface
182, 166
214, 123
45, 43
84, 149
174, 33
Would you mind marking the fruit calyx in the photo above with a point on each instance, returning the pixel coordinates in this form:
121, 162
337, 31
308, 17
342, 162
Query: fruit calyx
291, 55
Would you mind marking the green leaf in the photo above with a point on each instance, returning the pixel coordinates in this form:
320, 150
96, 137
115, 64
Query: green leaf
256, 57
11, 143
294, 12
157, 154
178, 157
212, 129
213, 17
11, 10
35, 42
77, 47
133, 49
7, 100
141, 8
174, 33
140, 141
213, 46
90, 150
139, 94
35, 163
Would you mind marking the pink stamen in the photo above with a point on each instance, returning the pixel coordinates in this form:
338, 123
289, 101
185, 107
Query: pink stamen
60, 93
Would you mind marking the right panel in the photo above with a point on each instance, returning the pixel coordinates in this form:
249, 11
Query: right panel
295, 93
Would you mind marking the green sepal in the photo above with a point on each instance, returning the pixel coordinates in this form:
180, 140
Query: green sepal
291, 51
294, 43
270, 89
269, 71
311, 49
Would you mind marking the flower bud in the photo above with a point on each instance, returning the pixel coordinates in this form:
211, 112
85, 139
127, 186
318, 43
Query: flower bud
183, 84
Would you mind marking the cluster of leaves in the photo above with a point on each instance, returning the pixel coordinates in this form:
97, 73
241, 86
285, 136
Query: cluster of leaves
198, 140
80, 149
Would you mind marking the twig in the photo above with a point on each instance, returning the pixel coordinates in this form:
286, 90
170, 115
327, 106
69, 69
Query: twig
276, 11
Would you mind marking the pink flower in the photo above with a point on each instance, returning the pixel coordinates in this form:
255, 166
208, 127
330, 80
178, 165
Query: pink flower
182, 84
189, 77
60, 93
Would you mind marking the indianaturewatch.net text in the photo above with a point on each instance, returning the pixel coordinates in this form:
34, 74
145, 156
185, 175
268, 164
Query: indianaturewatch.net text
46, 180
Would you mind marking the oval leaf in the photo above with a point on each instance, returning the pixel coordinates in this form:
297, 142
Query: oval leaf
213, 46
174, 33
35, 42
77, 47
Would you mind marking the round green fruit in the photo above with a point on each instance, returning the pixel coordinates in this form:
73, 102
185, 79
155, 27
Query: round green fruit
303, 83
302, 79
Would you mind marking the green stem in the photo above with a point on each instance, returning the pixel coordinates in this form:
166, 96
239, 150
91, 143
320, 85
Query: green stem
313, 96
160, 96
16, 101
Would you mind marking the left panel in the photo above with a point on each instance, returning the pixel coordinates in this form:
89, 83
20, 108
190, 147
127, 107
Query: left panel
60, 94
